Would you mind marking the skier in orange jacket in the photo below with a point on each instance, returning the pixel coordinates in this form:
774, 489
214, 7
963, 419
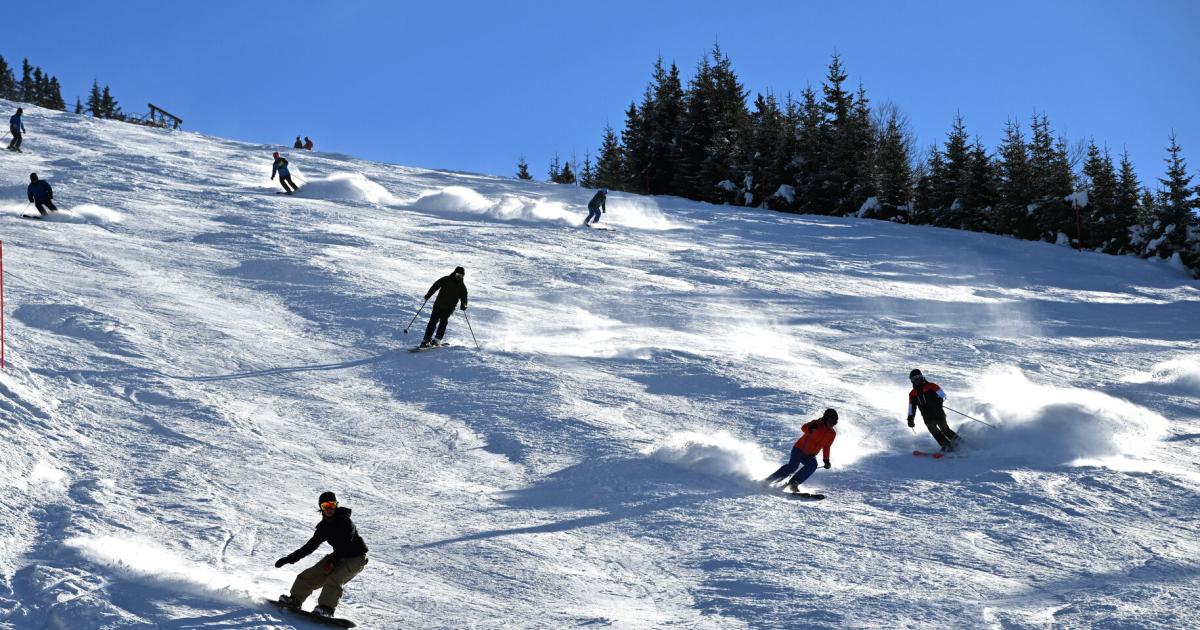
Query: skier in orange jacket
818, 437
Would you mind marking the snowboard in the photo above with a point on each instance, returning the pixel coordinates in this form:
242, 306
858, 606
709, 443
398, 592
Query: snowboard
804, 496
420, 349
329, 621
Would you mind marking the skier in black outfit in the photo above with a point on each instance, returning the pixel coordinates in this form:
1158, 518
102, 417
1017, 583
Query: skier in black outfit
596, 206
451, 291
16, 126
928, 398
40, 194
335, 569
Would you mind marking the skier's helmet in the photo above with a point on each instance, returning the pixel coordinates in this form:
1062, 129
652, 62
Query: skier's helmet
275, 154
916, 376
326, 497
604, 190
830, 417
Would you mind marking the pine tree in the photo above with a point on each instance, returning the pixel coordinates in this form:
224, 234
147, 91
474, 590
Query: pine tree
635, 147
978, 192
768, 149
109, 105
40, 88
1014, 194
949, 210
1102, 227
27, 88
566, 175
893, 169
930, 193
8, 84
587, 176
54, 99
95, 106
1176, 200
522, 168
555, 170
78, 106
610, 167
661, 113
812, 154
1051, 181
1126, 207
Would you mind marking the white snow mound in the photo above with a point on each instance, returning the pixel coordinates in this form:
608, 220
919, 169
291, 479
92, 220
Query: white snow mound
1049, 425
347, 187
716, 454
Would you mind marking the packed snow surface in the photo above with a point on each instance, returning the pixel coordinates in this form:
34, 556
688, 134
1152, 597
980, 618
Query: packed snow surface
192, 358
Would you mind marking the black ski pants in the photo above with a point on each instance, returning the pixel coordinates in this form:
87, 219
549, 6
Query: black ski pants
940, 430
16, 141
43, 205
285, 181
438, 320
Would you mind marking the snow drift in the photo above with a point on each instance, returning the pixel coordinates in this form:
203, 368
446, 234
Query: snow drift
346, 187
1048, 425
717, 454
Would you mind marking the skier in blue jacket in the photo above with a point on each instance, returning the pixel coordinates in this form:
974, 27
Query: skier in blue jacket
280, 167
40, 194
17, 127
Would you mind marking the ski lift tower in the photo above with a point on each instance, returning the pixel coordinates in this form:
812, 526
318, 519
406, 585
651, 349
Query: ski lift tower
162, 118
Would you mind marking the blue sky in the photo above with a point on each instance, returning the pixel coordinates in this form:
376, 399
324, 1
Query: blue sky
472, 85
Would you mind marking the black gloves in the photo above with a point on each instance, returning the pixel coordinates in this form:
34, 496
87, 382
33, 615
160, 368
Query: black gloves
282, 561
910, 422
464, 307
827, 464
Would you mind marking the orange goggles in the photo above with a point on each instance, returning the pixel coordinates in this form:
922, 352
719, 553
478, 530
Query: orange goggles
328, 504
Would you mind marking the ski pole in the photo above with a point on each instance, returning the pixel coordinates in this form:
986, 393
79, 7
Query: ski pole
472, 331
415, 316
970, 418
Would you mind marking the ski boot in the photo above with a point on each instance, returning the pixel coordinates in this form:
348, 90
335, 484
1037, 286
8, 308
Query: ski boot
792, 487
323, 611
289, 601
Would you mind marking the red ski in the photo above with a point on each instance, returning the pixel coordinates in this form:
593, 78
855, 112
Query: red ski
933, 455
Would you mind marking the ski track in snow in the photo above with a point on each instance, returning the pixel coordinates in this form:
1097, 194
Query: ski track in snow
193, 358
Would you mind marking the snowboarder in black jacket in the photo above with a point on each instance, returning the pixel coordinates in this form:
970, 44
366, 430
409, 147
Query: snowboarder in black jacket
334, 570
596, 206
451, 291
40, 194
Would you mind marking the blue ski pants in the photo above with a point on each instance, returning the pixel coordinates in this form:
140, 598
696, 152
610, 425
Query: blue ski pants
804, 462
593, 215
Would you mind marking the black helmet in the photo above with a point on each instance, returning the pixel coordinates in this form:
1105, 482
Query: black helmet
916, 375
326, 497
830, 417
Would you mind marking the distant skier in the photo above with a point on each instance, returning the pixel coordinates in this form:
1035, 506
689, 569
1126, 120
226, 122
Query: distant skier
818, 436
596, 206
285, 176
335, 569
40, 194
16, 126
928, 398
308, 145
451, 290
298, 144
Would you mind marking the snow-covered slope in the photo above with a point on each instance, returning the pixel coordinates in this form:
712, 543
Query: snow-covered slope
193, 358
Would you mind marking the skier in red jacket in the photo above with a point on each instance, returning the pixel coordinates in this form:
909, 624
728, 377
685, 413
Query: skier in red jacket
818, 436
